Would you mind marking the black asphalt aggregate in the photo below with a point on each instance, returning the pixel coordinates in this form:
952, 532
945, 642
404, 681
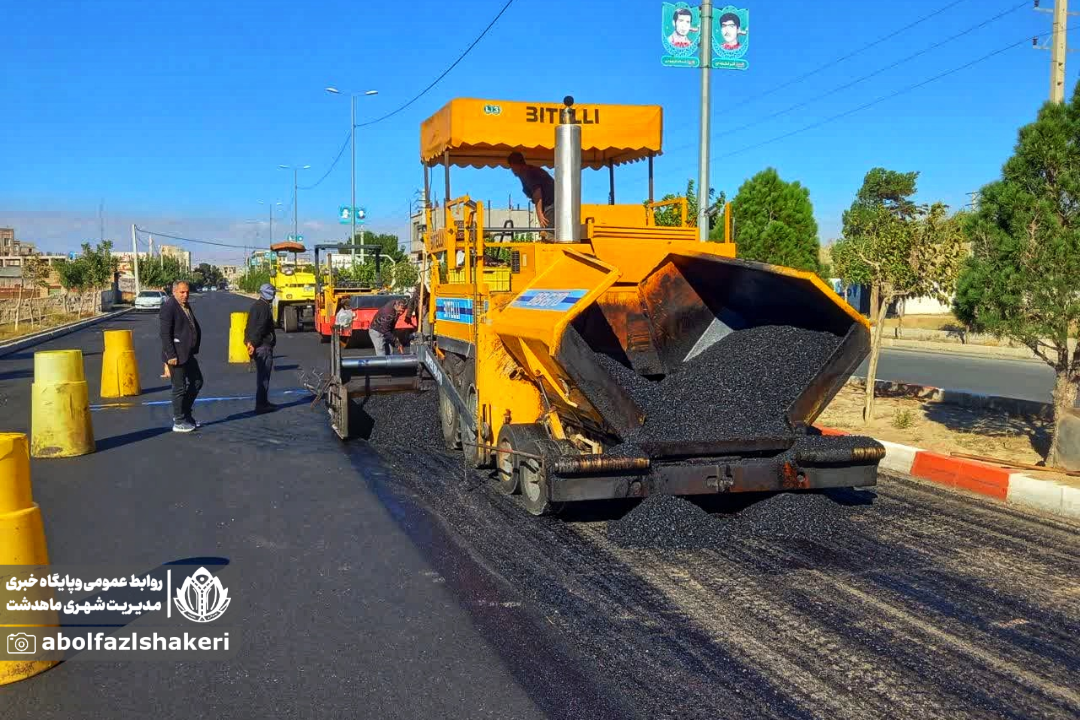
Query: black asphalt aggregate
739, 388
341, 614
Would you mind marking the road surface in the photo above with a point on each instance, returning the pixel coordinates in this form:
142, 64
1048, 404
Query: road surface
1023, 379
383, 580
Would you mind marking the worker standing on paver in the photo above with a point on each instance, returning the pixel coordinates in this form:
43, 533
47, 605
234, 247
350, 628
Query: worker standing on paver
180, 339
260, 339
537, 185
382, 327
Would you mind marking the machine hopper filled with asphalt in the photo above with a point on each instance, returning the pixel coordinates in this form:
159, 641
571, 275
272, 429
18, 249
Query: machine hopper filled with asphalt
608, 357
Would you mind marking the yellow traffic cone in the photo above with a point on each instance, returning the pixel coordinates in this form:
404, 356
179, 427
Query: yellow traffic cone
22, 542
119, 369
60, 405
238, 326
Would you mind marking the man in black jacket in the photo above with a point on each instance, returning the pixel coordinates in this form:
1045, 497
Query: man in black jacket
180, 339
260, 339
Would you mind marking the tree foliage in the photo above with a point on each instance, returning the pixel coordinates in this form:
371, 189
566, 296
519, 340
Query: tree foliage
671, 216
389, 243
774, 222
207, 275
157, 272
90, 272
1023, 279
253, 279
898, 248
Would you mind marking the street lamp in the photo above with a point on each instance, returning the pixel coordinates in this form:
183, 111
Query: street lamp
352, 134
295, 199
271, 204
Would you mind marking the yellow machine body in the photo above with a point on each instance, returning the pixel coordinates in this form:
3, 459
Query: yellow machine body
629, 286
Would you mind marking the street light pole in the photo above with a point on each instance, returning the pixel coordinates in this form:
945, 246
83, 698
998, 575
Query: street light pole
352, 141
296, 194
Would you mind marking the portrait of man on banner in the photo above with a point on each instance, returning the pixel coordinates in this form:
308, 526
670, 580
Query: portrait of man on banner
680, 29
731, 32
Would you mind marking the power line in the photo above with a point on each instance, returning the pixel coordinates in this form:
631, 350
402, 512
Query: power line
853, 53
447, 71
191, 240
344, 145
879, 100
875, 73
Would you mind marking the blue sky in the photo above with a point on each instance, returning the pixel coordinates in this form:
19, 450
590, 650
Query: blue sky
176, 115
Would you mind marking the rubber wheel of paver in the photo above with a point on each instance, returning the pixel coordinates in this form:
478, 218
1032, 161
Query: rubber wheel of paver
448, 414
512, 439
475, 456
533, 478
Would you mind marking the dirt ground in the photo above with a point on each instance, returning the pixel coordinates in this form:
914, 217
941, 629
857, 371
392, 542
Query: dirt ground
946, 428
7, 331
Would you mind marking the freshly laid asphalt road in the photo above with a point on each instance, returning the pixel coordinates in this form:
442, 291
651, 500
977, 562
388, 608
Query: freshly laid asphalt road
384, 580
341, 614
1023, 379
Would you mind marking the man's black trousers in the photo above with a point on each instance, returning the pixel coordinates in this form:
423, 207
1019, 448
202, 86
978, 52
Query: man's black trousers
187, 381
264, 365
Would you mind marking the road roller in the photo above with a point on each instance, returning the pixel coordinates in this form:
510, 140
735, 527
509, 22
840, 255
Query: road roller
607, 356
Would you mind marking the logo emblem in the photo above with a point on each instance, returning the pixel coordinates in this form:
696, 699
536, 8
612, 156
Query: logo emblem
202, 598
492, 110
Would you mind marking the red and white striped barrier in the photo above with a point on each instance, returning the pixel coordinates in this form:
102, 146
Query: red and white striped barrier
978, 477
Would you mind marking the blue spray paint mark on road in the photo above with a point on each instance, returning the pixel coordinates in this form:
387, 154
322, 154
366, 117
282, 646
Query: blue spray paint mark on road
151, 403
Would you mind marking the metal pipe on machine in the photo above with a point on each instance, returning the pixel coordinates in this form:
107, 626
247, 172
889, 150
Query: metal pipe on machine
383, 362
568, 176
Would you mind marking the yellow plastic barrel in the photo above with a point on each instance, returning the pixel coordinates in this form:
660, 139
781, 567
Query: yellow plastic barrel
119, 369
22, 542
237, 327
60, 406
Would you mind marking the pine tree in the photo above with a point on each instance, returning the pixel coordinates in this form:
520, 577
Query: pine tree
774, 222
1023, 279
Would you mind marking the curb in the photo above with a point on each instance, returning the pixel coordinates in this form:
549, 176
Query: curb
53, 333
976, 477
961, 398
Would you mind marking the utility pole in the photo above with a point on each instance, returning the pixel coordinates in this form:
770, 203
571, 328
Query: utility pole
706, 111
295, 203
974, 204
1058, 47
135, 257
151, 247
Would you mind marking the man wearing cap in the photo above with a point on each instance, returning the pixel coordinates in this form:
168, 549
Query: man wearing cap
537, 185
260, 339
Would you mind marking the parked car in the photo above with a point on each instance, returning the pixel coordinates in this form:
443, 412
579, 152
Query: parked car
150, 300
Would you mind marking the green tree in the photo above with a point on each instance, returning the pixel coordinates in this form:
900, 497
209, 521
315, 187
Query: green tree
1023, 279
774, 223
405, 275
671, 216
157, 272
206, 274
899, 249
253, 279
387, 241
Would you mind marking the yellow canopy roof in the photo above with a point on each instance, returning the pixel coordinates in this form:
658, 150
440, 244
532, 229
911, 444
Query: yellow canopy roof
482, 133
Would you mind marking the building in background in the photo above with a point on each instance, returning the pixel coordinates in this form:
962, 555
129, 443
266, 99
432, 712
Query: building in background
11, 247
230, 272
507, 217
126, 266
181, 255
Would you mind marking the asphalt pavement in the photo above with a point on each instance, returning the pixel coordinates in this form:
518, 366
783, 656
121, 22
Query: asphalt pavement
1023, 379
342, 616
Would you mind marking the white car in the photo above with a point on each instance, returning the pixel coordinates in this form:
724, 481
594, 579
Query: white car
150, 300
